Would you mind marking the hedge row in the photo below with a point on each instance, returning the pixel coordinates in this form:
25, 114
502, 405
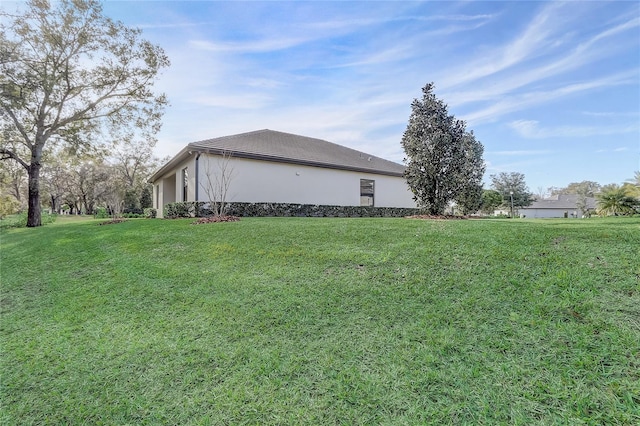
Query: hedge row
198, 209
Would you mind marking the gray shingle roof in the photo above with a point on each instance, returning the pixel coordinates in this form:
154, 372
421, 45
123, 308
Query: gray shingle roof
271, 145
561, 201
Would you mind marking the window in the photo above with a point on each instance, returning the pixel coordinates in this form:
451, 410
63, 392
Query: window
366, 192
157, 196
185, 184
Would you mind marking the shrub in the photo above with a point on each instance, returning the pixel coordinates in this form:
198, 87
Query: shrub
101, 213
20, 220
198, 209
14, 221
183, 209
501, 216
150, 213
8, 205
133, 210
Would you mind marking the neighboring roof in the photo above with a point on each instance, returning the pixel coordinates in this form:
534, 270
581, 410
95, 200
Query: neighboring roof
561, 201
270, 145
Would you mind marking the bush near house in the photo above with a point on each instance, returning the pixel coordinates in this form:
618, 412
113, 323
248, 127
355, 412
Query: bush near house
198, 209
150, 213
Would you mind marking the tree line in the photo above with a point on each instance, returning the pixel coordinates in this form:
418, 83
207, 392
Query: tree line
81, 184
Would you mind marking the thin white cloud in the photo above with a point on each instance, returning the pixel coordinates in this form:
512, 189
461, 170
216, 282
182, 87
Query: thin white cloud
619, 149
528, 44
173, 25
520, 152
610, 114
531, 129
233, 101
518, 102
264, 83
393, 54
341, 25
351, 25
628, 25
577, 58
458, 17
261, 45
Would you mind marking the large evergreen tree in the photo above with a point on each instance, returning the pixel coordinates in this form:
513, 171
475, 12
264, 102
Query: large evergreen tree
444, 161
67, 71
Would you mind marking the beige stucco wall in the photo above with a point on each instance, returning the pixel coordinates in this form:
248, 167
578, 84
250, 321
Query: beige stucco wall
548, 213
265, 181
169, 186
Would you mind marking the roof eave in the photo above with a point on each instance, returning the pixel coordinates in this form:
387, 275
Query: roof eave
193, 147
177, 159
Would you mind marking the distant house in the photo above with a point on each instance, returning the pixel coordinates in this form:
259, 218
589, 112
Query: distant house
275, 167
562, 205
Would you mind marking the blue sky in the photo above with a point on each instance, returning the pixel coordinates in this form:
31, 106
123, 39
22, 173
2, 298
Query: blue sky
551, 89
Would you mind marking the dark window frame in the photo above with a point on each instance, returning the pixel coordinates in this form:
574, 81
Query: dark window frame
367, 192
185, 184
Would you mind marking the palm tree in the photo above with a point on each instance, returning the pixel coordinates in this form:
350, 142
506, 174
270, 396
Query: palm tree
616, 201
633, 185
635, 180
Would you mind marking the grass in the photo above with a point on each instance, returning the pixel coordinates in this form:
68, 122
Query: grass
19, 220
321, 321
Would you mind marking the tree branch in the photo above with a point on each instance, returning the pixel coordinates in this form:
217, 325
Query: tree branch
9, 154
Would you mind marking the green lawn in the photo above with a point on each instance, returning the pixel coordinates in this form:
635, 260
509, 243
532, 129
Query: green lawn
321, 321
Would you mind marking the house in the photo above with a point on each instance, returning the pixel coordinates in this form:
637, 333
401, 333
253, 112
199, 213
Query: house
561, 205
267, 166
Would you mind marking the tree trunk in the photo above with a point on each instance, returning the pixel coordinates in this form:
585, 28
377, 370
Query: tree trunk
85, 204
34, 217
16, 189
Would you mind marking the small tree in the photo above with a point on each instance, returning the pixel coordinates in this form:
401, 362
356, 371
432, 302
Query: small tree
491, 200
88, 182
444, 160
218, 181
513, 189
146, 197
131, 201
13, 180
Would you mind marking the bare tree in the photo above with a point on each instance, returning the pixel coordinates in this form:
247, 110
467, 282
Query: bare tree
13, 179
56, 184
112, 192
541, 193
218, 181
134, 162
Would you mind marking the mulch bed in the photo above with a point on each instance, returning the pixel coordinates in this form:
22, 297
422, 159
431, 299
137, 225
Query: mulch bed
216, 219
